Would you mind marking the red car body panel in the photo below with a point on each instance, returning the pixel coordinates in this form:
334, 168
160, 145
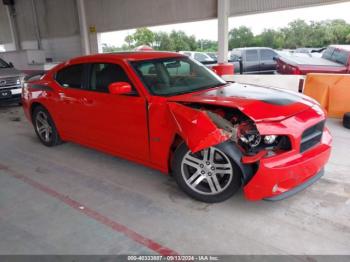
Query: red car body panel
196, 128
291, 168
145, 128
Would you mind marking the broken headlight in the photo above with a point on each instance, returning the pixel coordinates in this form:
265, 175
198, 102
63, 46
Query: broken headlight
269, 140
249, 134
253, 142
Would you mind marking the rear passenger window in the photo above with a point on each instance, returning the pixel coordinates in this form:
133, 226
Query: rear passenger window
102, 75
71, 76
252, 55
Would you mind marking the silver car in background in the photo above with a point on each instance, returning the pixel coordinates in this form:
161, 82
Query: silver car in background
10, 83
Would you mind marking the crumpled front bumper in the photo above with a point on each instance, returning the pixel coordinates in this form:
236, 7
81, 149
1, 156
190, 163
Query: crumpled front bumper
280, 176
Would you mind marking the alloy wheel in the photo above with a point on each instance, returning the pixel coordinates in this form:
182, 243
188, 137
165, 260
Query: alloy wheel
208, 172
43, 126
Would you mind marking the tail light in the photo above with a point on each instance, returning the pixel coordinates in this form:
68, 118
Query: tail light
295, 70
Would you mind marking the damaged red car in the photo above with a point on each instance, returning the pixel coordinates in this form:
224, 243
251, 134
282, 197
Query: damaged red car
171, 113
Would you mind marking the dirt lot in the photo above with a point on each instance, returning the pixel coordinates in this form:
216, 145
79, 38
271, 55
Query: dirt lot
74, 200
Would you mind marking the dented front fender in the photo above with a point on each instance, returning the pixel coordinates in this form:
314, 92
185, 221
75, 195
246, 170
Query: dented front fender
196, 127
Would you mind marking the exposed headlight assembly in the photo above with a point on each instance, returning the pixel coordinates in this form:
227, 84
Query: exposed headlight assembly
270, 139
249, 134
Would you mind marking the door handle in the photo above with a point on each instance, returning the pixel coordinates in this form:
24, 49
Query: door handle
66, 99
87, 101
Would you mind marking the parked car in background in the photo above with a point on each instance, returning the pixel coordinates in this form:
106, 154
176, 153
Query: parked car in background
171, 113
254, 60
335, 59
310, 52
213, 55
199, 56
10, 83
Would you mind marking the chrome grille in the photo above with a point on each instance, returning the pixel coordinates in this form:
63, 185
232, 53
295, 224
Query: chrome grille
10, 81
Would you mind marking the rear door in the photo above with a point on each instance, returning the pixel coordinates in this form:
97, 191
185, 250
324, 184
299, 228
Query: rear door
267, 62
70, 81
251, 63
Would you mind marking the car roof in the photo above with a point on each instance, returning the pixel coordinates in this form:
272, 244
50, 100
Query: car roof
248, 48
132, 56
343, 47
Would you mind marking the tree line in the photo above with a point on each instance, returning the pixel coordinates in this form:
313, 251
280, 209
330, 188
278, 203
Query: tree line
296, 34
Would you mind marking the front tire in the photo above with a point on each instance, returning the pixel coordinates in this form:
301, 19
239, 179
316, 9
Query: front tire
45, 128
209, 175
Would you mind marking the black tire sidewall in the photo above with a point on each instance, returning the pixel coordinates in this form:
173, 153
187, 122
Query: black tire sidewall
55, 139
234, 186
346, 120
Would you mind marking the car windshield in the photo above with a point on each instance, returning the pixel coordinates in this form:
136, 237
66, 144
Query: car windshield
3, 64
336, 55
174, 76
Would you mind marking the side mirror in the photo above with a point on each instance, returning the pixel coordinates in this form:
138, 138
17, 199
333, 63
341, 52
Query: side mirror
119, 88
10, 64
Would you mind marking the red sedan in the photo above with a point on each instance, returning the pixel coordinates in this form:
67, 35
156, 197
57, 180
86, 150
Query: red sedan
171, 113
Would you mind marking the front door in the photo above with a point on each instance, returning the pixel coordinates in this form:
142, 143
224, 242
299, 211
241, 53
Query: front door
117, 123
91, 116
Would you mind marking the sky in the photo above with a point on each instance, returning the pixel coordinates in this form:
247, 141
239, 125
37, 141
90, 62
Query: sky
257, 23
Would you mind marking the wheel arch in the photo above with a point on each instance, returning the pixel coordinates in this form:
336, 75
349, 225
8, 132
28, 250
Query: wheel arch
230, 148
33, 106
176, 142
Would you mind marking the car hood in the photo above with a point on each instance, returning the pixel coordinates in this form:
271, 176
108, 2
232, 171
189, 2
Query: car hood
9, 72
258, 103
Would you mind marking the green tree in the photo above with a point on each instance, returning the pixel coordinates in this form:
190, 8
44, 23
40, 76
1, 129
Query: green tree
129, 39
180, 41
111, 48
163, 41
319, 36
143, 36
348, 39
296, 34
269, 38
241, 37
207, 45
339, 30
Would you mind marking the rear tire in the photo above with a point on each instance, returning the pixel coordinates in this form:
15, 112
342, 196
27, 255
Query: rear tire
209, 176
346, 120
45, 128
